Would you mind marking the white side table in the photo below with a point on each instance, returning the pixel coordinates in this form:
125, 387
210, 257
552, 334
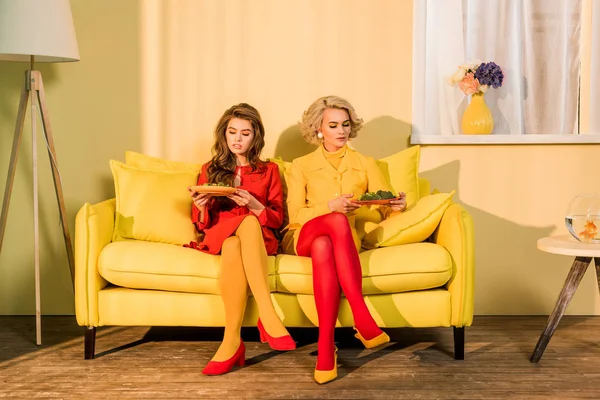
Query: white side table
583, 253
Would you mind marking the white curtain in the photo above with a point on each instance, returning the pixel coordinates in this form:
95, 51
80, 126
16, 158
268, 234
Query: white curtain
535, 42
594, 100
199, 57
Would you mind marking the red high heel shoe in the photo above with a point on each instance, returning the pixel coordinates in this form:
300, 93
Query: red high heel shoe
282, 343
223, 367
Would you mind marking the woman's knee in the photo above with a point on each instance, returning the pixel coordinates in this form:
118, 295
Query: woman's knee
250, 223
230, 244
338, 221
321, 245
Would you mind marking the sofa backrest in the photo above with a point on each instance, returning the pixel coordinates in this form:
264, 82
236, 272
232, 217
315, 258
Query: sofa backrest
401, 169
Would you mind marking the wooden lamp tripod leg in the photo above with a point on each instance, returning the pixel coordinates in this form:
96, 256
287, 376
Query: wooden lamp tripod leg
12, 167
36, 217
47, 127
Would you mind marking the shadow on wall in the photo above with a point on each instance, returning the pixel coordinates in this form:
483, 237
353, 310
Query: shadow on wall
501, 248
291, 145
380, 137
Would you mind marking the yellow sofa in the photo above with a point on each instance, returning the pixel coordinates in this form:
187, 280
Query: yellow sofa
144, 283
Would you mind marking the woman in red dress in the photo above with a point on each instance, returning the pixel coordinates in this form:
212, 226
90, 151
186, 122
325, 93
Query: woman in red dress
241, 228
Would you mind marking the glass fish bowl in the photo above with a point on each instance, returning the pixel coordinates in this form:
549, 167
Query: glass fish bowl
583, 218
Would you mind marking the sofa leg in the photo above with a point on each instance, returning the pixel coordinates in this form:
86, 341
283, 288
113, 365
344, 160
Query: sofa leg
459, 343
90, 342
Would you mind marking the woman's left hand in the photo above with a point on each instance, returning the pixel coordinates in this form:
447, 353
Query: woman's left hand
243, 198
399, 204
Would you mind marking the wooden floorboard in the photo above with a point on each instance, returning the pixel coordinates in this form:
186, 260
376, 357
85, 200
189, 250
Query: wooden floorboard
165, 363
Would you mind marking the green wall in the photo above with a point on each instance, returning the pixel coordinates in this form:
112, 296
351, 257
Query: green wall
94, 107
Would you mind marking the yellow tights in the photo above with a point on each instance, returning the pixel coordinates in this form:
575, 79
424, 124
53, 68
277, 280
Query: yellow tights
244, 263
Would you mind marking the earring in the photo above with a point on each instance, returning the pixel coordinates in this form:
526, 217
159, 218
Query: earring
319, 135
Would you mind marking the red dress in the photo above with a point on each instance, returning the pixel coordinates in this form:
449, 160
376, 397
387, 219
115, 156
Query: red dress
224, 216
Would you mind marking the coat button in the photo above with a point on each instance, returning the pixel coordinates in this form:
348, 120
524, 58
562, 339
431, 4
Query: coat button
336, 195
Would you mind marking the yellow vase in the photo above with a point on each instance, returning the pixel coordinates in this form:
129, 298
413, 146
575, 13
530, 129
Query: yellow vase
477, 119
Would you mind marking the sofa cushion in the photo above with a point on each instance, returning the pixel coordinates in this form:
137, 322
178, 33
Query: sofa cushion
402, 171
145, 265
148, 162
153, 205
283, 166
395, 269
414, 225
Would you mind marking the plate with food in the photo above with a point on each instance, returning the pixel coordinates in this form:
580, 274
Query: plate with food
380, 197
216, 189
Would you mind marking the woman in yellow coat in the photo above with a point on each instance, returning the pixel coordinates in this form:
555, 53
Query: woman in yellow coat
321, 189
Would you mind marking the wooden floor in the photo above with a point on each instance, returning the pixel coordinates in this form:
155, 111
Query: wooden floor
165, 363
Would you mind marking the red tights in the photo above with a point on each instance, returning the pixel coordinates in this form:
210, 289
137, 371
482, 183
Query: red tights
328, 241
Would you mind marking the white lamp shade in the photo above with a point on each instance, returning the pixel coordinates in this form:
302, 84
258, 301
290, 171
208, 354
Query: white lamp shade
40, 28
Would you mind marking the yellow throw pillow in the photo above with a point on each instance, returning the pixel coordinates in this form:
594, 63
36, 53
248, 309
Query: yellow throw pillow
148, 162
283, 166
153, 205
412, 226
365, 219
402, 171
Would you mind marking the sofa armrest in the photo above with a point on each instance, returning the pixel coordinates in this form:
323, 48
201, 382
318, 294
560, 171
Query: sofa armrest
456, 233
94, 226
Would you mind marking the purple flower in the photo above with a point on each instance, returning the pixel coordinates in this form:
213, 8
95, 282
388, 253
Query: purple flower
489, 74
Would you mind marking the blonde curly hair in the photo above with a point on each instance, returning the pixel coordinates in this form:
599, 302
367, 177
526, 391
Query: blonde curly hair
313, 118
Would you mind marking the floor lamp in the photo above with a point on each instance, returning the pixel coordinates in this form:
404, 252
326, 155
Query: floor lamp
36, 31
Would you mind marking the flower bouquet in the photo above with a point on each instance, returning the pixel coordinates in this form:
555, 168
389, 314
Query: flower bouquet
475, 78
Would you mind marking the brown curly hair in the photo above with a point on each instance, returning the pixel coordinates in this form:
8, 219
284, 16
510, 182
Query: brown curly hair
313, 118
222, 165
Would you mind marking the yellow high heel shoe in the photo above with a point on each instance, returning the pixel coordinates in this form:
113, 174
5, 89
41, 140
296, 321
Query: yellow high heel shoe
327, 376
376, 341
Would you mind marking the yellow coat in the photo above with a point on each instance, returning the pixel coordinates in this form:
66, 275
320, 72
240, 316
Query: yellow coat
312, 182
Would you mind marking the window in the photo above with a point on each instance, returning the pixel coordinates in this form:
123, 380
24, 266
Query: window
546, 50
